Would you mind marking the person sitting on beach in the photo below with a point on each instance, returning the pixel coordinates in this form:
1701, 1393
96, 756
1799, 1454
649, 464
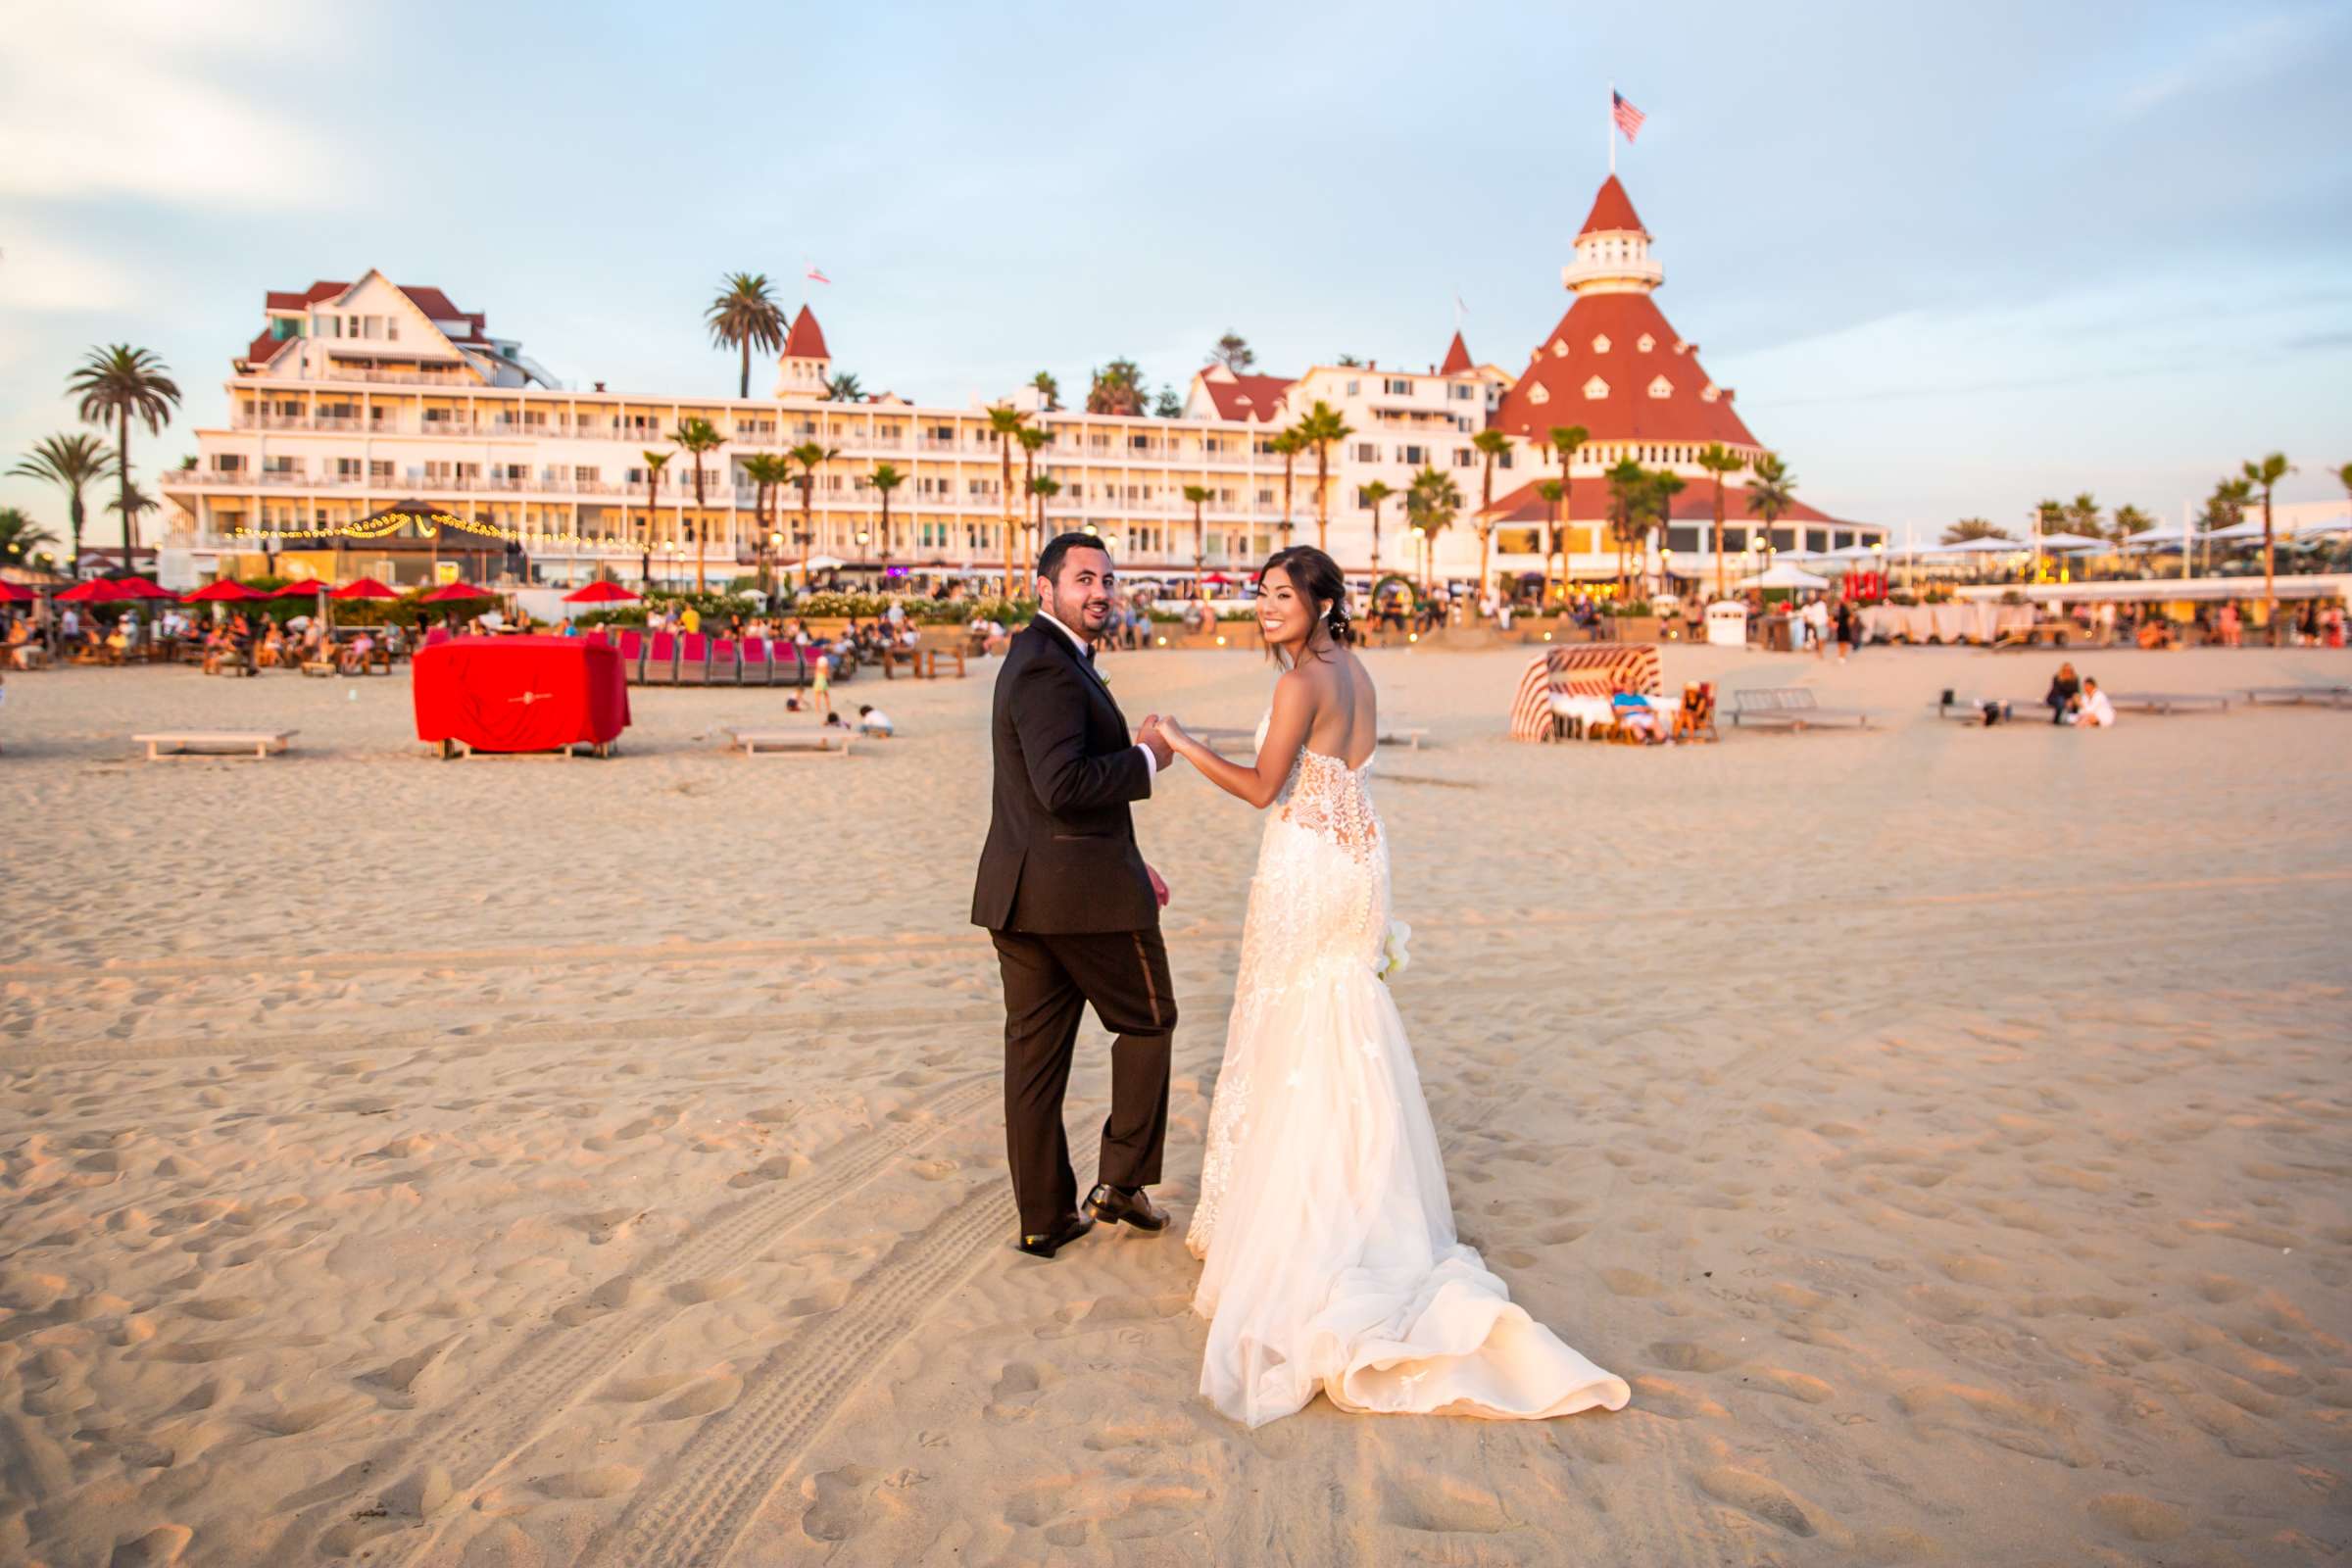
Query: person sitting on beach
1634, 715
2156, 632
2092, 710
1692, 713
2065, 687
353, 658
872, 720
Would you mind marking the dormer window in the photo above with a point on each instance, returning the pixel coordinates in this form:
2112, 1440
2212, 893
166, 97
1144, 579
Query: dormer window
1559, 348
1601, 344
1662, 388
1595, 390
1538, 394
1645, 343
1709, 394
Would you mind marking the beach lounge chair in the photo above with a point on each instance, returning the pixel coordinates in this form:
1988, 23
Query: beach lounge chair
726, 661
694, 660
755, 666
1790, 708
661, 660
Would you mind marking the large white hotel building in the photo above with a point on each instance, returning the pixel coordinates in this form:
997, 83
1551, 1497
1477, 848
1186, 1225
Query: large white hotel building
362, 397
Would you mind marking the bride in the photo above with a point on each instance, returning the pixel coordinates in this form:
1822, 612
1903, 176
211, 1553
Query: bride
1330, 1258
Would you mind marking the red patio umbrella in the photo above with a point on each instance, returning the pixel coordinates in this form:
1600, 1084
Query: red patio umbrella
99, 591
600, 593
365, 588
456, 591
305, 588
11, 594
226, 591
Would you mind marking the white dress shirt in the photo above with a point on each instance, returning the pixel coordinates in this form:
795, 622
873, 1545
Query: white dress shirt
1086, 652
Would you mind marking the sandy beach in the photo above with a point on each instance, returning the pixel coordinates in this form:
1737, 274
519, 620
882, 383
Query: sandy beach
528, 1162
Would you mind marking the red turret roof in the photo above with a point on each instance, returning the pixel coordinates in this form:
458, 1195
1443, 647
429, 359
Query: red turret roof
1588, 499
806, 340
435, 305
1558, 386
1612, 209
1457, 358
1247, 396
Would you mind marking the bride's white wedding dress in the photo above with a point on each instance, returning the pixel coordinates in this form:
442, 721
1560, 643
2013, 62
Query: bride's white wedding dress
1331, 1260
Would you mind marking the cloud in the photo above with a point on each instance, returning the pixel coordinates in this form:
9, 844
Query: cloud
52, 278
115, 100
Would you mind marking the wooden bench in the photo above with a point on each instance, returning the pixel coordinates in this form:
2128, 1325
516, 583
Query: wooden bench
2168, 702
1793, 707
821, 739
215, 742
1403, 737
923, 663
2333, 696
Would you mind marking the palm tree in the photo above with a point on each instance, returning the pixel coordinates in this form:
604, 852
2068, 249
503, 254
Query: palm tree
1044, 382
1627, 482
1565, 440
1004, 423
697, 435
2264, 476
1431, 503
1553, 492
2083, 516
1719, 459
123, 383
1321, 427
2226, 507
1771, 493
766, 472
68, 461
1372, 494
743, 317
1657, 509
2127, 521
1491, 444
1197, 495
810, 456
2343, 477
1117, 388
1233, 353
1970, 529
20, 536
1031, 439
885, 478
1348, 362
845, 388
1044, 487
1287, 446
655, 462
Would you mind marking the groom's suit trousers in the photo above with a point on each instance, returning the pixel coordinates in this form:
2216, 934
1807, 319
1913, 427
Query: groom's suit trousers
1050, 980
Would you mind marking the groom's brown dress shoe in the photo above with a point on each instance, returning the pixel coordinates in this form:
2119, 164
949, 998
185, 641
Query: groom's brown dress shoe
1061, 1236
1117, 1206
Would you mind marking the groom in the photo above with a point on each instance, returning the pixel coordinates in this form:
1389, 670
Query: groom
1072, 907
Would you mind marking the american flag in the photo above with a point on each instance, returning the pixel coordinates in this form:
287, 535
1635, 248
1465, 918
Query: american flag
1629, 119
816, 275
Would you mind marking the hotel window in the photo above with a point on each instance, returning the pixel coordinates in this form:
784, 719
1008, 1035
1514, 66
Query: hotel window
1356, 389
379, 469
1538, 394
1595, 390
347, 468
586, 475
1662, 388
1415, 456
282, 464
1817, 540
1465, 392
1601, 345
1265, 496
1462, 458
1367, 451
1645, 343
228, 462
1396, 386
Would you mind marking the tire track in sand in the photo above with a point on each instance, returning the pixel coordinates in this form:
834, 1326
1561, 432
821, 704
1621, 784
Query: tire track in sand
550, 1373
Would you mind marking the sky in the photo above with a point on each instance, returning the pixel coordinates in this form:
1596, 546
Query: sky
1953, 260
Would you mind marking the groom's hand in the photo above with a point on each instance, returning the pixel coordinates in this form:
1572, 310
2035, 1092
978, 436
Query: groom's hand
1159, 889
1162, 754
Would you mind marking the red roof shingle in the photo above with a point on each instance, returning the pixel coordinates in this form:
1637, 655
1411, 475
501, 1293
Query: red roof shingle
1247, 397
806, 340
1457, 358
1612, 209
1567, 362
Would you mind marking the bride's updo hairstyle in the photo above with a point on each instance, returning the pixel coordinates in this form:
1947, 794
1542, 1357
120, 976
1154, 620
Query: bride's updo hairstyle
1316, 576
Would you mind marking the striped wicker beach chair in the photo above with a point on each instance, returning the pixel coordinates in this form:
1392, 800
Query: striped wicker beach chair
1600, 670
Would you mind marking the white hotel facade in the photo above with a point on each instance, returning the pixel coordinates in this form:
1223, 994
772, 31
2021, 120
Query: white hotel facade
359, 397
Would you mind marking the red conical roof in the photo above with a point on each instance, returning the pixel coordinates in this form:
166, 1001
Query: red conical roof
1593, 371
806, 340
1457, 358
1612, 209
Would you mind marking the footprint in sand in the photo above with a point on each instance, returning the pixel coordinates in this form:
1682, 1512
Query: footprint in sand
1759, 1496
841, 1502
597, 1481
2138, 1518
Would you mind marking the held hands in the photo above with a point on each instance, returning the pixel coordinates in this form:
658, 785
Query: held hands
1153, 736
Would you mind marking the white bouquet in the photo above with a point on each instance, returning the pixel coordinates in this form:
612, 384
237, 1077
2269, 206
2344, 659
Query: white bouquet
1392, 955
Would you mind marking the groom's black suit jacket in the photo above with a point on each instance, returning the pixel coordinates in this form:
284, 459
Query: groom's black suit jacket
1061, 857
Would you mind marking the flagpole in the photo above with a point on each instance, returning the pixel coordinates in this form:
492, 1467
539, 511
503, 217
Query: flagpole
1611, 122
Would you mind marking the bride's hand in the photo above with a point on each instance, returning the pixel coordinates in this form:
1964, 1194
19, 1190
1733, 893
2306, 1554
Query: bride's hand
1177, 735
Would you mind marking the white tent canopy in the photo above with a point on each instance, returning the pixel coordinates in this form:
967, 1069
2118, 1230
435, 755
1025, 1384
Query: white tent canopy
1781, 574
2071, 541
1976, 547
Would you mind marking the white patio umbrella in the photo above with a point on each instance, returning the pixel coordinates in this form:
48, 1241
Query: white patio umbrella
1781, 574
1976, 547
2071, 541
